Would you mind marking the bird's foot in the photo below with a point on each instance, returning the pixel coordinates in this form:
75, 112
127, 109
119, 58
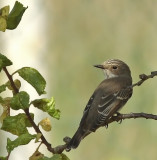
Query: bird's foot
67, 140
106, 126
118, 114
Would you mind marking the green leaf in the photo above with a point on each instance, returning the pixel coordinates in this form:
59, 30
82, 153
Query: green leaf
15, 15
47, 105
3, 88
3, 158
20, 101
56, 157
64, 157
4, 11
36, 155
3, 24
4, 61
16, 82
21, 140
5, 101
6, 108
17, 124
33, 77
1, 100
3, 18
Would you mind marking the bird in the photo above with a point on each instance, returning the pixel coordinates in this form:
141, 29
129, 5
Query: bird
108, 98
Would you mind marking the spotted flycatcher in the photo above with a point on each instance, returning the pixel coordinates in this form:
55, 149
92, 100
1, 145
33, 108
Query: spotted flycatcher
108, 98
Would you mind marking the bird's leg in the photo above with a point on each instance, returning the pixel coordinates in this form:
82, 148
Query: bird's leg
106, 126
67, 140
118, 114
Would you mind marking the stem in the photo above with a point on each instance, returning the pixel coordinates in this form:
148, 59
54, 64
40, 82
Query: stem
144, 77
36, 128
8, 155
11, 80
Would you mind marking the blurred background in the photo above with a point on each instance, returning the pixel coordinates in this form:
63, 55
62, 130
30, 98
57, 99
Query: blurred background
63, 39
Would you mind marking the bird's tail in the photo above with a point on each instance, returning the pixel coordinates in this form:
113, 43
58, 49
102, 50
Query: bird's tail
76, 139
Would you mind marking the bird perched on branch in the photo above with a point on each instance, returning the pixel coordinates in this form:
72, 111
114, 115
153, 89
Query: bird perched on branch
108, 98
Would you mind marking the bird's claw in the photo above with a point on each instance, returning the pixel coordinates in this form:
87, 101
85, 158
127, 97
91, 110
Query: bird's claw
66, 139
118, 114
106, 126
120, 121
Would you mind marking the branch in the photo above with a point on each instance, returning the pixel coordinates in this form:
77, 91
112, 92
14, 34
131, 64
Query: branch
59, 149
121, 117
144, 77
11, 80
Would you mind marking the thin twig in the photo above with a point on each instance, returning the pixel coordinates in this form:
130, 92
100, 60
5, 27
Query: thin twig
120, 117
144, 77
11, 80
36, 128
8, 156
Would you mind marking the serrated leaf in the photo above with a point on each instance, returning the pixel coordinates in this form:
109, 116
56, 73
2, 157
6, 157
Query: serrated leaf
20, 101
4, 61
33, 77
15, 15
17, 124
3, 88
47, 105
21, 140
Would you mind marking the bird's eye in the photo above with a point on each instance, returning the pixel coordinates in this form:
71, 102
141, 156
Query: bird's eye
114, 67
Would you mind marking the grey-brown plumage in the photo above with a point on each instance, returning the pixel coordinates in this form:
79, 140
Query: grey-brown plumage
107, 99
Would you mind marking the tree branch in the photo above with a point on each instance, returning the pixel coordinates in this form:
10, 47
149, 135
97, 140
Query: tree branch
11, 80
36, 128
119, 117
144, 77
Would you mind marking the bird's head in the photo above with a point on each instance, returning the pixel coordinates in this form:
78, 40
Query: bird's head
114, 68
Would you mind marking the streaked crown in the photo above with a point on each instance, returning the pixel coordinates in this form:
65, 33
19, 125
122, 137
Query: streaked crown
114, 68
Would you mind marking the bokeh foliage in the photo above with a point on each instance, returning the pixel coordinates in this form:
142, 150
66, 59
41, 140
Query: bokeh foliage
83, 33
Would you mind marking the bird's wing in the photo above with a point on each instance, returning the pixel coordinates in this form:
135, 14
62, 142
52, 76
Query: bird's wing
89, 104
109, 104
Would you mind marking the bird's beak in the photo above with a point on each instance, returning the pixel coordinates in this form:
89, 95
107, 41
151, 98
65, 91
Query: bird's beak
100, 66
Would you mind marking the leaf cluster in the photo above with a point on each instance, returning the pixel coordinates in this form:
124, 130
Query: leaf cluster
11, 20
20, 100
